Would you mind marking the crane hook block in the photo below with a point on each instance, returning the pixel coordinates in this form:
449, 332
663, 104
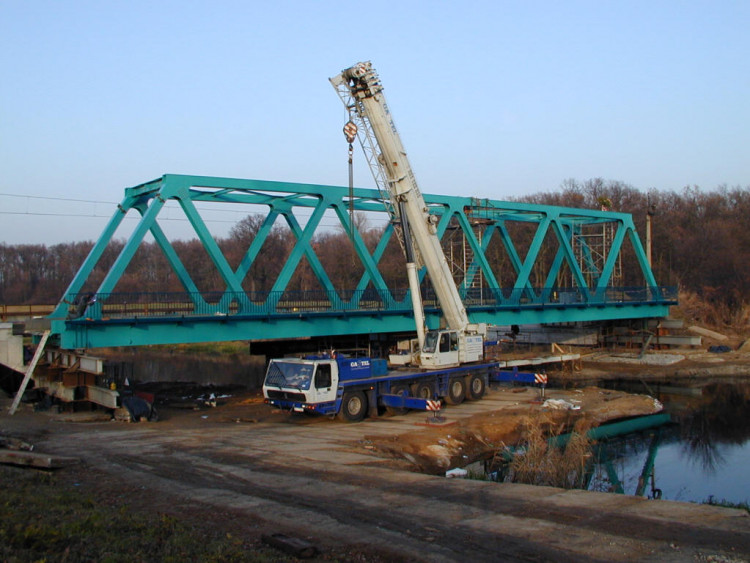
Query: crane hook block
350, 131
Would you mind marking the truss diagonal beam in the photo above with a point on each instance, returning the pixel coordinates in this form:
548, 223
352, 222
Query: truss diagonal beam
260, 238
177, 265
522, 282
370, 264
128, 251
479, 260
567, 250
302, 248
609, 265
76, 285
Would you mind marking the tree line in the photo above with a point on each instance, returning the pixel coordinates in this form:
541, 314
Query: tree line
700, 243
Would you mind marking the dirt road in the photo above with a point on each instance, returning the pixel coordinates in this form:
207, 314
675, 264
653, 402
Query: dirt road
244, 468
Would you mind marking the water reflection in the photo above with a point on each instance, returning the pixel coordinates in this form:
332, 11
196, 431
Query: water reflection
703, 454
613, 470
721, 417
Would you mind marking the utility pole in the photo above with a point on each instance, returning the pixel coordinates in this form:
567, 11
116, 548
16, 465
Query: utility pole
650, 212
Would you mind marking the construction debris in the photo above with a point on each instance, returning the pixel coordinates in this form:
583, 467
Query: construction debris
561, 404
293, 546
15, 444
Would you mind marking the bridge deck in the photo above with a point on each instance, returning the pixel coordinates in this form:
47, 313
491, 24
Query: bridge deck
148, 318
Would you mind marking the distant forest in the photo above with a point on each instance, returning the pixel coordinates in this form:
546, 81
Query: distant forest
700, 242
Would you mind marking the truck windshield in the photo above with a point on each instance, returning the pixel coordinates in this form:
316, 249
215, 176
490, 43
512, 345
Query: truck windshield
289, 374
430, 341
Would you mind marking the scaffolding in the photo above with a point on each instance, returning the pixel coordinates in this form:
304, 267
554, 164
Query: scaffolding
591, 246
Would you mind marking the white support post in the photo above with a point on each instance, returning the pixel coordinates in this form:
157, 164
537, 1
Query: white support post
29, 371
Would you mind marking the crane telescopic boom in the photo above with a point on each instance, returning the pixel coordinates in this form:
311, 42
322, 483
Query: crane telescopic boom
360, 89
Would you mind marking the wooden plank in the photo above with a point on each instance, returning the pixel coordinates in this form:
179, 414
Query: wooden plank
34, 459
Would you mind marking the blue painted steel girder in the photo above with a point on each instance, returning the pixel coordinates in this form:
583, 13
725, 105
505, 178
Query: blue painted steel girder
240, 316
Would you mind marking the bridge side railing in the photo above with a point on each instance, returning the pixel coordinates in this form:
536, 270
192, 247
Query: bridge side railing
121, 305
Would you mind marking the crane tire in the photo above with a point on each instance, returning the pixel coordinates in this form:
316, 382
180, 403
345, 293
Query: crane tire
353, 406
456, 391
476, 387
423, 390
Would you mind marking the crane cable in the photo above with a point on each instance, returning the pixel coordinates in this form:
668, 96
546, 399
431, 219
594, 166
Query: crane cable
350, 132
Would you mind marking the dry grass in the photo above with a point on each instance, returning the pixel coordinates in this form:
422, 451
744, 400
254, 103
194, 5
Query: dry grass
538, 462
712, 313
44, 519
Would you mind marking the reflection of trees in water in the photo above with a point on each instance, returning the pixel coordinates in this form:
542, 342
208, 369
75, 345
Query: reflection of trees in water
723, 418
699, 446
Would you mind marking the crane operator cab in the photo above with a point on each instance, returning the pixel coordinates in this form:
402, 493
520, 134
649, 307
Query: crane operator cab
444, 348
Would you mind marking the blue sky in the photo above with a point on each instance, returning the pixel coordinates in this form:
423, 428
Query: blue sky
494, 99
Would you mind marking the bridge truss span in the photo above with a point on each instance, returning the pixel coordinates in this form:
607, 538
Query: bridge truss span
514, 263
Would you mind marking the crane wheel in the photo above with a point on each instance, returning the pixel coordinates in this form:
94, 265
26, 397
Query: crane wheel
423, 390
476, 387
456, 391
353, 406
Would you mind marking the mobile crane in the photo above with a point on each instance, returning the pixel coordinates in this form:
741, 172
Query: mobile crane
451, 358
461, 342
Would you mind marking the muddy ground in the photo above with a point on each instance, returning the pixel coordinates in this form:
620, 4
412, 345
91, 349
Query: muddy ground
376, 491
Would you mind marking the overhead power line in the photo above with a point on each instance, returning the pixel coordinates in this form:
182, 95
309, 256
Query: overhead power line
56, 198
111, 203
105, 216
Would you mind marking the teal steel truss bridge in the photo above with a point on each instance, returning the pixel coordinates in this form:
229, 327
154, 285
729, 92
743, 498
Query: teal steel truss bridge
514, 263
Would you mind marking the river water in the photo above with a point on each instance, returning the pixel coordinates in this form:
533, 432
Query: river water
704, 453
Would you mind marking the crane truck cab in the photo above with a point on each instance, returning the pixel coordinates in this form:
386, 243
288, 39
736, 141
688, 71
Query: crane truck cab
322, 384
301, 380
442, 348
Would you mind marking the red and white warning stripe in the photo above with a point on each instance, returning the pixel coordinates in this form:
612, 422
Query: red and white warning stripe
540, 378
433, 405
